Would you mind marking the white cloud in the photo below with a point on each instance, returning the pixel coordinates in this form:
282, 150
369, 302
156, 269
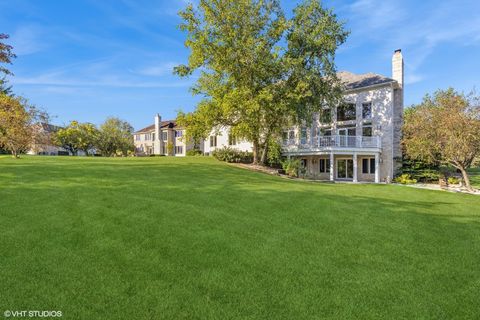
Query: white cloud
104, 81
28, 40
417, 28
157, 70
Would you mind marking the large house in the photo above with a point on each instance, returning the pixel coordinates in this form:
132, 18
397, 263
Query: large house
161, 138
358, 140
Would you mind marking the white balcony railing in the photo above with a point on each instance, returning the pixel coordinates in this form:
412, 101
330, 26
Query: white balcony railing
337, 141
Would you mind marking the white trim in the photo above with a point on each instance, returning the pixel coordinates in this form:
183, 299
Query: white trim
332, 160
355, 167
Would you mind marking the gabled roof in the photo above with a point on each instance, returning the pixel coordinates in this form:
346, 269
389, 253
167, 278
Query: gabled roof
163, 124
47, 127
355, 81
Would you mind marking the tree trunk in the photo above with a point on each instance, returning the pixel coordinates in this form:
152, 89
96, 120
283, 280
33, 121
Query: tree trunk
263, 159
255, 151
466, 179
15, 154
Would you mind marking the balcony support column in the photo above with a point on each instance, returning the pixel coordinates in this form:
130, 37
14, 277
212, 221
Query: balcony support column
332, 158
355, 167
377, 168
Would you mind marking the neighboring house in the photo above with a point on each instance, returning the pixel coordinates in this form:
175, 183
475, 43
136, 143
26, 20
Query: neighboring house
161, 138
43, 143
356, 141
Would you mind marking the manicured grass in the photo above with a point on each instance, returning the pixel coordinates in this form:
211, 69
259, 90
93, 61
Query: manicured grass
192, 238
475, 177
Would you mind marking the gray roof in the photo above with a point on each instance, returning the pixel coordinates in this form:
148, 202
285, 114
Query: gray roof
355, 81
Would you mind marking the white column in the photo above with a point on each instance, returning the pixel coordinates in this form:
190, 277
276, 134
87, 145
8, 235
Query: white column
377, 168
331, 166
156, 142
355, 167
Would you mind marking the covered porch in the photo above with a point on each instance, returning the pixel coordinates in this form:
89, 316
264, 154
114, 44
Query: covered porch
343, 166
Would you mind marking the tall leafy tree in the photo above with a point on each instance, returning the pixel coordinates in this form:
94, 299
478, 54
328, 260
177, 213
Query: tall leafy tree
77, 136
69, 137
17, 119
6, 57
258, 70
444, 129
115, 137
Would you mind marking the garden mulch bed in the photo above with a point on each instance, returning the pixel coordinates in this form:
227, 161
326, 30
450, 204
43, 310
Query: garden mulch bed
258, 168
429, 186
432, 186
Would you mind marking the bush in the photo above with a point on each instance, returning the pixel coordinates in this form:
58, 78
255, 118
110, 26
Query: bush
405, 179
453, 180
421, 171
274, 156
426, 175
291, 167
231, 155
194, 152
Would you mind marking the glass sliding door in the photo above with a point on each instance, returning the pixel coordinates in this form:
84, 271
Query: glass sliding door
347, 136
344, 168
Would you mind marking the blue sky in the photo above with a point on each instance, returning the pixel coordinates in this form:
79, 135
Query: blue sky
89, 59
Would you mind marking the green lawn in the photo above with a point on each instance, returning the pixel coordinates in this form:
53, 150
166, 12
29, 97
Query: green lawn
475, 177
192, 238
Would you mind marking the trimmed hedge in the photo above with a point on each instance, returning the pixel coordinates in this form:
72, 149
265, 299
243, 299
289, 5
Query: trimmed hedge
194, 152
231, 155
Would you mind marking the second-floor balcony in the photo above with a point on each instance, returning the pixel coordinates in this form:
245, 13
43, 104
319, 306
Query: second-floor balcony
326, 143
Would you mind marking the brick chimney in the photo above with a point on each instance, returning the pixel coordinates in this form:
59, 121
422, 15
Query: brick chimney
157, 143
397, 67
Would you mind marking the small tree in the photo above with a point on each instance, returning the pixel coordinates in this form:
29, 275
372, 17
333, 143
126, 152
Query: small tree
444, 129
16, 124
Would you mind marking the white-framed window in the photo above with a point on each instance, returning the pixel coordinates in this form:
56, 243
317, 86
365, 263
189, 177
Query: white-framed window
291, 135
213, 141
164, 136
137, 137
285, 137
368, 165
147, 136
178, 133
367, 110
346, 112
367, 130
178, 149
153, 136
325, 165
232, 140
303, 135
